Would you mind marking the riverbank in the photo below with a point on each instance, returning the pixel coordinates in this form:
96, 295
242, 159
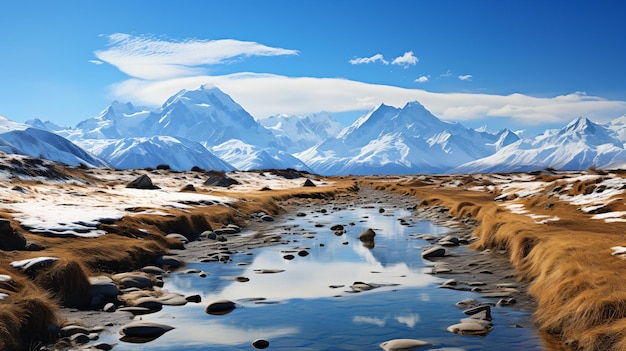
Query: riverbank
563, 232
80, 223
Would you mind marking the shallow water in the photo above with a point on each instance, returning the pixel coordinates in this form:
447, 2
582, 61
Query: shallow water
298, 309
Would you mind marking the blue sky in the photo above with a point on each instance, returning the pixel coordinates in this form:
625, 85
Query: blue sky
522, 64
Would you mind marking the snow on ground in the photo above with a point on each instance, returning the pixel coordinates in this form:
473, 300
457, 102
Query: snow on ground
75, 207
251, 181
76, 210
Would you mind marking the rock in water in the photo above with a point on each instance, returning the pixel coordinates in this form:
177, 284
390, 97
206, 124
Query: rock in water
260, 344
143, 182
469, 328
367, 235
220, 307
144, 330
403, 344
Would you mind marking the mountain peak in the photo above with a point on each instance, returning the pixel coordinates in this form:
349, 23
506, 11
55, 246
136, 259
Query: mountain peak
581, 124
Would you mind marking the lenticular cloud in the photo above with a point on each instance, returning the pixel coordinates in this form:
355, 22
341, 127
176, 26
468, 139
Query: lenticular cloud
151, 58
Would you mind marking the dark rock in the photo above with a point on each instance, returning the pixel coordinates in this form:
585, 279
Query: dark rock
367, 235
221, 180
143, 182
435, 251
309, 182
260, 344
220, 307
188, 187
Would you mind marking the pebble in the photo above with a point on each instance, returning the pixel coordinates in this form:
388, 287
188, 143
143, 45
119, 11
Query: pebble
470, 328
260, 344
143, 329
403, 344
435, 251
220, 307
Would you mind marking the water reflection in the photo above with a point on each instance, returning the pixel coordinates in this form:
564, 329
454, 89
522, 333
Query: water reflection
310, 305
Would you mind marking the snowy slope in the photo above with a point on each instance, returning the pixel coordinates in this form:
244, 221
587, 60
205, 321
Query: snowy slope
180, 154
390, 140
250, 157
579, 145
18, 138
298, 133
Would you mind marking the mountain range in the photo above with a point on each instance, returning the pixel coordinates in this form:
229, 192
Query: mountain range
204, 127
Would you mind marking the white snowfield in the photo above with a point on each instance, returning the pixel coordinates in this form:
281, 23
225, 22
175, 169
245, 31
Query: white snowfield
75, 208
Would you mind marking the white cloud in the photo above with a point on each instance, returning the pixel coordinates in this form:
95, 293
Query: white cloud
405, 60
147, 57
160, 68
466, 77
447, 74
96, 62
266, 94
422, 79
362, 60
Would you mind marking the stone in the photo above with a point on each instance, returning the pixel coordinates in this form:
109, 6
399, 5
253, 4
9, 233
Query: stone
169, 261
221, 180
194, 298
102, 346
367, 235
260, 344
433, 252
79, 338
189, 187
69, 330
183, 239
309, 183
469, 328
10, 239
486, 309
109, 307
403, 344
220, 307
104, 286
142, 182
141, 329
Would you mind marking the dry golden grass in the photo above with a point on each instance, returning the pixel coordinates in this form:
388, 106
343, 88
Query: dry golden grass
578, 284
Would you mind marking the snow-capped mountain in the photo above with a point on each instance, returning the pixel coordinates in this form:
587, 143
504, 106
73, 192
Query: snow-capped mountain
177, 153
579, 145
209, 116
407, 140
18, 138
298, 133
205, 115
39, 124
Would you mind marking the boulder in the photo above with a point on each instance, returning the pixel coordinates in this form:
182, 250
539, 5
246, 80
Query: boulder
220, 180
143, 182
309, 183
